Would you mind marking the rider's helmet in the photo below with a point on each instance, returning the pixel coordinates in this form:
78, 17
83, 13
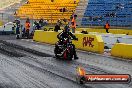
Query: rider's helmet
67, 28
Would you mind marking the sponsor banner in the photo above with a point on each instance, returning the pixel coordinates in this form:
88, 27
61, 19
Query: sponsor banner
103, 78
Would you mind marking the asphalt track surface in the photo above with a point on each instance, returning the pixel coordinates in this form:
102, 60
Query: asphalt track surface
28, 64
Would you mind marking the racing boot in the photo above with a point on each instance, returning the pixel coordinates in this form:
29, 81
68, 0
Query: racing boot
75, 56
74, 53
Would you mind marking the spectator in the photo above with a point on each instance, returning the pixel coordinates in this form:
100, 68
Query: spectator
64, 9
28, 2
14, 27
57, 27
36, 26
107, 27
15, 13
23, 32
27, 26
74, 1
73, 23
17, 29
41, 22
60, 10
52, 0
46, 22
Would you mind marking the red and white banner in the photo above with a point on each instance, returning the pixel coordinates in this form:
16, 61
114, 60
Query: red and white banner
106, 78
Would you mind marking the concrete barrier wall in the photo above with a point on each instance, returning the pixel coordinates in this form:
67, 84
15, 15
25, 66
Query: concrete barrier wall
114, 31
45, 36
88, 42
122, 50
109, 39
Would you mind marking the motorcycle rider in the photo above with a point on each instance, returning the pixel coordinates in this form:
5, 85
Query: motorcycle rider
66, 34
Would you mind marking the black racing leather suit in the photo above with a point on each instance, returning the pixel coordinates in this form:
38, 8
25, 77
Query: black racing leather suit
68, 35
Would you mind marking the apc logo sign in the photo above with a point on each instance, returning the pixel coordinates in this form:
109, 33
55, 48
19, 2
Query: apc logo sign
87, 41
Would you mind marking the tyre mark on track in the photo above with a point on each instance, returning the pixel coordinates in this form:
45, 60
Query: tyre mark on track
27, 76
53, 67
93, 69
52, 72
35, 52
74, 64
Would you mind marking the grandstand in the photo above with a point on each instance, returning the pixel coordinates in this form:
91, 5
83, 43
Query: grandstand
117, 12
93, 12
47, 9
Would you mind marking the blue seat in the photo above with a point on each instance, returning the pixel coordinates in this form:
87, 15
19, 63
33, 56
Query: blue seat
117, 12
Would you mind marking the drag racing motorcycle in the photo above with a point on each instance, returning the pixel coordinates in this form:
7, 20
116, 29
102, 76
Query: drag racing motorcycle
65, 50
